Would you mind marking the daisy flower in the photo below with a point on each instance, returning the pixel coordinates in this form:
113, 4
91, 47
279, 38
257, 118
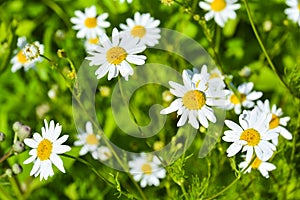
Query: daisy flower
143, 27
26, 55
91, 43
194, 100
263, 166
104, 153
277, 122
45, 150
147, 169
293, 13
89, 141
114, 57
247, 96
253, 134
88, 24
220, 10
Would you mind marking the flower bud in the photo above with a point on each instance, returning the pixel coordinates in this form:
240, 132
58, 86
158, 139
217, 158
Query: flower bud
18, 147
61, 53
2, 137
24, 132
16, 126
16, 168
8, 172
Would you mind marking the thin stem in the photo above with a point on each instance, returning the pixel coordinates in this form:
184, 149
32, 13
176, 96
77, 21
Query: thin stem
5, 156
16, 188
4, 194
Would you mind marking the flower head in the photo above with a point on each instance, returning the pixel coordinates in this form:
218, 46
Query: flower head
143, 27
194, 99
104, 153
88, 24
252, 134
45, 150
245, 99
91, 43
89, 141
293, 13
263, 166
220, 10
147, 169
114, 57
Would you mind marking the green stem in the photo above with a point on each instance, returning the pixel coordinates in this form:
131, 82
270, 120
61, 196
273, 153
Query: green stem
5, 156
4, 194
16, 188
262, 45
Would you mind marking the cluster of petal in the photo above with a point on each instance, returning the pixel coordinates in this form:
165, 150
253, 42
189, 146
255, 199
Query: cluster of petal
293, 12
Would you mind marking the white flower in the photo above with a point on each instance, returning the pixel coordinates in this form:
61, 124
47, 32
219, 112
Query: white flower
91, 43
194, 99
263, 166
128, 1
88, 24
293, 13
252, 134
89, 141
246, 98
104, 153
26, 55
143, 27
114, 57
147, 169
220, 10
45, 150
277, 122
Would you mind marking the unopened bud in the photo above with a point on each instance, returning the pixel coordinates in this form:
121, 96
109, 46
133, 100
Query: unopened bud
61, 53
8, 172
16, 168
24, 132
2, 137
158, 145
17, 126
18, 147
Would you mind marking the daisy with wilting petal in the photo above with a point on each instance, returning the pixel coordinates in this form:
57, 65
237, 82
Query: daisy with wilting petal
293, 13
277, 122
194, 100
147, 169
245, 99
220, 10
114, 57
88, 24
143, 27
263, 166
252, 135
89, 141
45, 150
26, 55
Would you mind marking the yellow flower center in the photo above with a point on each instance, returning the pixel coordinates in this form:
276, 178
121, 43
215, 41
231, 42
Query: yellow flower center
146, 168
274, 122
138, 31
93, 40
44, 149
21, 57
214, 75
116, 55
90, 22
194, 99
91, 139
235, 100
218, 5
256, 163
251, 136
299, 6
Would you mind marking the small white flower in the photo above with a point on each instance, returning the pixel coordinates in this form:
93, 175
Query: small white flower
143, 27
45, 150
128, 1
220, 10
89, 141
26, 55
104, 153
293, 13
263, 166
91, 43
246, 98
114, 57
88, 24
194, 99
253, 134
147, 169
277, 122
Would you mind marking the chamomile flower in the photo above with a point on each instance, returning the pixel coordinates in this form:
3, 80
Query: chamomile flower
143, 27
88, 24
245, 99
293, 13
220, 10
147, 170
89, 141
45, 150
263, 166
104, 153
114, 57
194, 100
26, 55
91, 43
277, 122
253, 134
